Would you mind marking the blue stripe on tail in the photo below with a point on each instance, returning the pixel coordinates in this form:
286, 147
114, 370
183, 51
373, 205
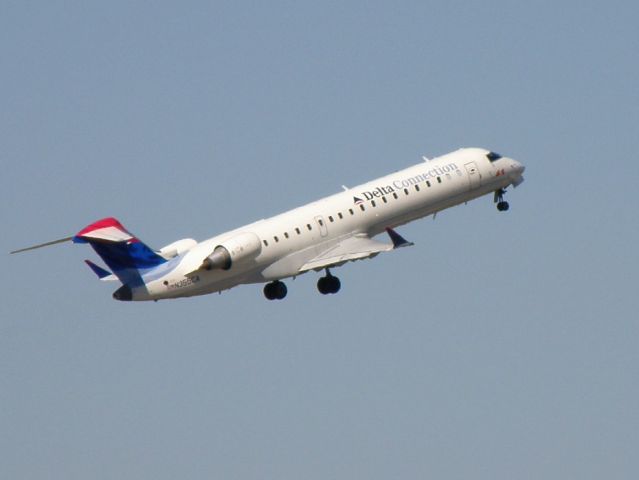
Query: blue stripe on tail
125, 259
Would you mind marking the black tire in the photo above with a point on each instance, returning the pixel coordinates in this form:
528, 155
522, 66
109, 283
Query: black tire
503, 206
280, 290
328, 285
323, 285
269, 291
334, 284
275, 290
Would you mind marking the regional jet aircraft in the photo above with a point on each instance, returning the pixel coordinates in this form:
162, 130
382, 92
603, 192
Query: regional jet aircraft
318, 236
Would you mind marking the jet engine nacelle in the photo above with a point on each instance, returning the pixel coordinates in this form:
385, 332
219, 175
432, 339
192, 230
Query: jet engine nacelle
238, 249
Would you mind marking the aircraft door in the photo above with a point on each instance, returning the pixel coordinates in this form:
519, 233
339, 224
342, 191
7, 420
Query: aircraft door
321, 223
474, 177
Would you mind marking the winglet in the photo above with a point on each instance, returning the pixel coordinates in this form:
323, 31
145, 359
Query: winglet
99, 271
397, 239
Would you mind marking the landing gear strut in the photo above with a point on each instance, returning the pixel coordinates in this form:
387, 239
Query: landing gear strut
502, 205
328, 284
275, 290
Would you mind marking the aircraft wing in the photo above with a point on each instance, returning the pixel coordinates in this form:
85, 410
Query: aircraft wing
357, 247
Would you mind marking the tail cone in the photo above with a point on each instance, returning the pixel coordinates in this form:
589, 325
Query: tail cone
123, 293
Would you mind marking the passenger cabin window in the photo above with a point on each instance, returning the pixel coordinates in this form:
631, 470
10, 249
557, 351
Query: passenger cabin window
265, 243
361, 207
321, 222
340, 215
417, 187
351, 211
384, 200
276, 239
373, 203
331, 219
439, 179
286, 234
427, 183
406, 191
308, 225
395, 196
297, 230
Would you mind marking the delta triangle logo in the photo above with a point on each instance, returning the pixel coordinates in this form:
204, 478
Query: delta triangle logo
357, 200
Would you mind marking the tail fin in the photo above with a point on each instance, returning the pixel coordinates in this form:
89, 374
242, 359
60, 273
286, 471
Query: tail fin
125, 254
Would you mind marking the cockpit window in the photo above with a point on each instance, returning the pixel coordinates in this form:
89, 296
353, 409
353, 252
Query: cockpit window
493, 156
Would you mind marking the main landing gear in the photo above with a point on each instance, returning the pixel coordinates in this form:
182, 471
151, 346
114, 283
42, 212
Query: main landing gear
328, 284
502, 205
275, 290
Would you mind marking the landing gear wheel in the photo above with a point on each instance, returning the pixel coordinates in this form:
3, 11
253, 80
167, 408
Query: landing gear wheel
324, 285
335, 284
328, 284
275, 290
502, 205
269, 291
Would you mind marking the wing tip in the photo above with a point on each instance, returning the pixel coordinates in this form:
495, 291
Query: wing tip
397, 239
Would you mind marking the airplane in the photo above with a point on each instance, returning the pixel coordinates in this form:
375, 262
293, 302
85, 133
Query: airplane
318, 236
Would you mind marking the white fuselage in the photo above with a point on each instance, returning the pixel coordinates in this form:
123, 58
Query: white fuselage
289, 240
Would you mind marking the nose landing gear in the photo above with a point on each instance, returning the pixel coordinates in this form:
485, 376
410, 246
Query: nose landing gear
275, 290
502, 205
328, 284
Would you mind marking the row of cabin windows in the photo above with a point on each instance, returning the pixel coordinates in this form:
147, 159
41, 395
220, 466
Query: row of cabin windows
286, 234
352, 212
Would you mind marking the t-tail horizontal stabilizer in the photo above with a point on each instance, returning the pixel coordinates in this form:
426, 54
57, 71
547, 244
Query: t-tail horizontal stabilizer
125, 255
46, 244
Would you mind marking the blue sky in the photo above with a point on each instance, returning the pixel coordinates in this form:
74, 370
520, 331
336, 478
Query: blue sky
500, 346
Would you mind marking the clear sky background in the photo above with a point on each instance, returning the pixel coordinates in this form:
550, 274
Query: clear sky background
500, 346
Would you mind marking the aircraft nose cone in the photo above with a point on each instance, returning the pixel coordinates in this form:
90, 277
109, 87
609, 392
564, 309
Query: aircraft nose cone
515, 173
123, 293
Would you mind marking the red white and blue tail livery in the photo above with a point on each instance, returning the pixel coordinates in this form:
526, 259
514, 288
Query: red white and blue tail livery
318, 236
